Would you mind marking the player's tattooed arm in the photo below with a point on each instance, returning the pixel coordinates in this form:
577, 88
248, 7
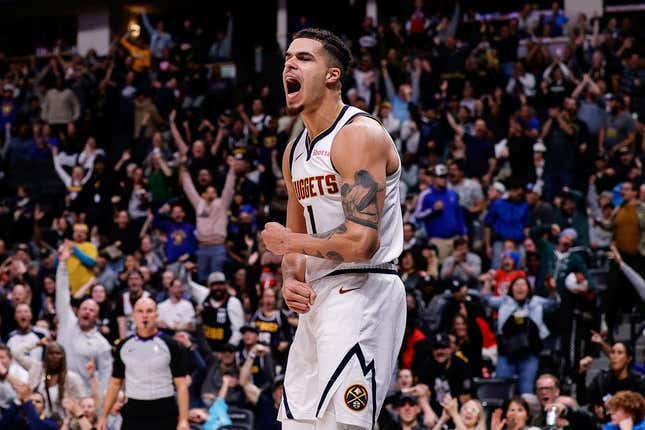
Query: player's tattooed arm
328, 234
362, 197
360, 202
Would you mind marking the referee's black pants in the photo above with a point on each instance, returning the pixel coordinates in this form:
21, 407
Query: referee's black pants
158, 414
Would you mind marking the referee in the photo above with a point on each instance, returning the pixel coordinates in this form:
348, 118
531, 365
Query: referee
149, 362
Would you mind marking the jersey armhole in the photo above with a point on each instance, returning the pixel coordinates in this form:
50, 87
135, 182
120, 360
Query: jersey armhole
293, 150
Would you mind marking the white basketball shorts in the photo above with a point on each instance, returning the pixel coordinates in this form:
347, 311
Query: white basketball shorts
346, 348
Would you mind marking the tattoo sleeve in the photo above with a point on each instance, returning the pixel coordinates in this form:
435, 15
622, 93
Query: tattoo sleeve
327, 234
360, 202
360, 206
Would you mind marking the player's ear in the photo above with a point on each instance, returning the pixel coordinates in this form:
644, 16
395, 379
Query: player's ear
333, 75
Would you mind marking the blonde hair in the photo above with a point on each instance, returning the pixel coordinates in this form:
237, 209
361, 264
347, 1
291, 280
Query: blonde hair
481, 421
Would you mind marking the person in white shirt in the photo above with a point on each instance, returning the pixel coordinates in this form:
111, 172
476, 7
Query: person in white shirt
10, 371
79, 336
175, 313
26, 333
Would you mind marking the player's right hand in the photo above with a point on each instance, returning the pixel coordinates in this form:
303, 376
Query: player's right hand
299, 296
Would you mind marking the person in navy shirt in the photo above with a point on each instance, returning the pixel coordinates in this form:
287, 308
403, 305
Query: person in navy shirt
181, 242
507, 219
439, 209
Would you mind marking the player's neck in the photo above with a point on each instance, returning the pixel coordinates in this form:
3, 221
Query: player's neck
320, 119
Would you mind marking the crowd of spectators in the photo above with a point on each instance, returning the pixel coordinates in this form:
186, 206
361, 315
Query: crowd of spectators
522, 143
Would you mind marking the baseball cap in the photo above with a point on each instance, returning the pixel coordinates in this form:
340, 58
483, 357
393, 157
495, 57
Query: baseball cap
216, 277
406, 398
249, 327
441, 340
440, 170
501, 188
569, 231
227, 347
456, 285
247, 209
513, 255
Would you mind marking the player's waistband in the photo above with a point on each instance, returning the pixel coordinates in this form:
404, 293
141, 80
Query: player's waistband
385, 268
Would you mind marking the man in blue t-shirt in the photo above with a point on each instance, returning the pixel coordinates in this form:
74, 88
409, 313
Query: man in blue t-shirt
439, 209
181, 242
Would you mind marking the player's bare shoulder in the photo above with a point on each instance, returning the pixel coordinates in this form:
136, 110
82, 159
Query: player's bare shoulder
365, 138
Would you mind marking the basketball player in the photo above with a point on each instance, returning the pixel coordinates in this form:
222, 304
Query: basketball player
344, 232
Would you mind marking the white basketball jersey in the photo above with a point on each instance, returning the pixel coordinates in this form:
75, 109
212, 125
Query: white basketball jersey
317, 185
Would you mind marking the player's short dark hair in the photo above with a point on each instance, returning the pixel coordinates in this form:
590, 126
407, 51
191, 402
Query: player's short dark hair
333, 45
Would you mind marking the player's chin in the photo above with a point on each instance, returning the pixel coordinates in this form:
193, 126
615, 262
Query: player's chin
294, 108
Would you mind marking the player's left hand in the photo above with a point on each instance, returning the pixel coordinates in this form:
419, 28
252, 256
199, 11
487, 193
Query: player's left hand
275, 238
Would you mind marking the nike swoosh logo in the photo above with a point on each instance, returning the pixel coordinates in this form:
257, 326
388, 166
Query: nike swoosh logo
343, 291
299, 156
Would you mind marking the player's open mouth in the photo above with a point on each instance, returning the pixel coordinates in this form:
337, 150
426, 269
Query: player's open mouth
293, 87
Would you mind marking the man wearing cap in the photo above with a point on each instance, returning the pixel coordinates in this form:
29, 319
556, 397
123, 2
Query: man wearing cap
80, 264
222, 315
439, 209
405, 417
263, 369
445, 372
212, 219
495, 192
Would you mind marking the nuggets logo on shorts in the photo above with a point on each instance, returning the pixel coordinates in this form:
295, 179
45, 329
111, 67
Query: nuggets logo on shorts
356, 397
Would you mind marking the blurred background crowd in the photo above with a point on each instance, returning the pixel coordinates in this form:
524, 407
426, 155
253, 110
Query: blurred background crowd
522, 142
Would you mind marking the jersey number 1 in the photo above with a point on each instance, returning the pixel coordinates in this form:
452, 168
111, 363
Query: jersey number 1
312, 220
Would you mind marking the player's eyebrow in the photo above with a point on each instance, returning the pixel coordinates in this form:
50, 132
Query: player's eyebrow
299, 54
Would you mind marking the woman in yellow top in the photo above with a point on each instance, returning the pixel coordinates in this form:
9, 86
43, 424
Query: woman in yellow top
80, 265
